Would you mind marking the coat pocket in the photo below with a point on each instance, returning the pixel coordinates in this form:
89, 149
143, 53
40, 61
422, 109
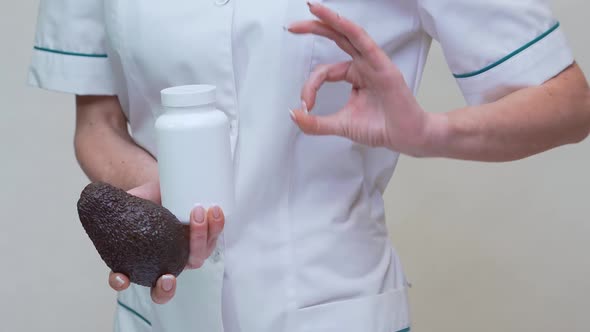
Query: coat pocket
133, 312
385, 312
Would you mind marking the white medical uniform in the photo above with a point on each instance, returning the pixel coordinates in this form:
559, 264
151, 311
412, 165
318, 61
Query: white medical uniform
307, 248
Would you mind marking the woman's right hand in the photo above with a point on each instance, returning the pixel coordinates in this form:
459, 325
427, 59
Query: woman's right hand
205, 228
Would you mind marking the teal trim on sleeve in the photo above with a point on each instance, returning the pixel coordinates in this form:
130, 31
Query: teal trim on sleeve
509, 56
43, 49
137, 314
405, 330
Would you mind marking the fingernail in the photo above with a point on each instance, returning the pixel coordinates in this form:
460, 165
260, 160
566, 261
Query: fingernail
304, 106
167, 283
216, 212
292, 114
199, 215
120, 281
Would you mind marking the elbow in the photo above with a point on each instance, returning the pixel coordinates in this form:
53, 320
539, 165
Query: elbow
574, 98
80, 148
77, 145
586, 114
583, 134
583, 130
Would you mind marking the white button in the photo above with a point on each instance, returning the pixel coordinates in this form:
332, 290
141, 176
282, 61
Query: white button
216, 256
221, 2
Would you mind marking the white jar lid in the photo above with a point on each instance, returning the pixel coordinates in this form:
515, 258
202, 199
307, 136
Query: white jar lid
188, 95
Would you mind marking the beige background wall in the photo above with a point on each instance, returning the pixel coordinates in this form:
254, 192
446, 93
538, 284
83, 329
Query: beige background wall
487, 247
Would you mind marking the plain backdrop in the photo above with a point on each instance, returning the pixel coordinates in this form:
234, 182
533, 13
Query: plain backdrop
487, 247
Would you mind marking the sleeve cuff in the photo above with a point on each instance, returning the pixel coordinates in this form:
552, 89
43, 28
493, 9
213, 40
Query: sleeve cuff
531, 65
75, 73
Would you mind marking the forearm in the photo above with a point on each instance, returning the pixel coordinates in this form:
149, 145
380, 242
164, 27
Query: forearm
105, 150
522, 124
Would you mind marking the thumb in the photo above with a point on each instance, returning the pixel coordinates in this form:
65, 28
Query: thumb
310, 124
149, 191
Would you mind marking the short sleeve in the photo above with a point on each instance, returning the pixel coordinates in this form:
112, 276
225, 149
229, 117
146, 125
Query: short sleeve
495, 47
69, 53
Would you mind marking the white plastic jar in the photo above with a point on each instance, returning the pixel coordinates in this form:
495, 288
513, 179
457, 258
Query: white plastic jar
194, 151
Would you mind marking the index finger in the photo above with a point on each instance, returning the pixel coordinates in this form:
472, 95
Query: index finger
198, 238
164, 289
216, 220
357, 36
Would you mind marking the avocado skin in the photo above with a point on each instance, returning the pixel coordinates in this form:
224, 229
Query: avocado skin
133, 236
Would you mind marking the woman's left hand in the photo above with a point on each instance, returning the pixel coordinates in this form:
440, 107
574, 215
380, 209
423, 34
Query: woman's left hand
382, 111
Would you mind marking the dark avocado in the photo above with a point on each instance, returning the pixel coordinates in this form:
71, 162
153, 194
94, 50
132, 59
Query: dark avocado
133, 236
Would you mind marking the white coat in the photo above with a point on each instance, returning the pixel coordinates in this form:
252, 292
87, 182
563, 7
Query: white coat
308, 248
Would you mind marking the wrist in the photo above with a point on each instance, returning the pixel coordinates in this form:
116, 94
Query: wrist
435, 136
